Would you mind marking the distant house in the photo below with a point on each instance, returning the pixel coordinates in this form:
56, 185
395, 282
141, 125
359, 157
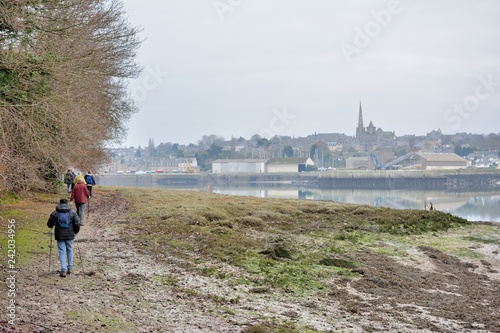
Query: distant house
440, 161
292, 164
488, 161
239, 165
334, 146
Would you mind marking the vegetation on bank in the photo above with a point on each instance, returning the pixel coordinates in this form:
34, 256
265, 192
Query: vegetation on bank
290, 245
29, 215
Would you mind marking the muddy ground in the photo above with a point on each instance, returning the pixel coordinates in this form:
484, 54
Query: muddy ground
118, 288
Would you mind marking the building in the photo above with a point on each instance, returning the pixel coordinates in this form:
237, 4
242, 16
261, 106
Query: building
239, 165
487, 161
292, 164
188, 165
439, 161
371, 134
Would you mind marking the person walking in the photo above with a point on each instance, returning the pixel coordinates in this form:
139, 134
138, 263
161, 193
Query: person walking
69, 177
90, 180
77, 178
80, 194
67, 225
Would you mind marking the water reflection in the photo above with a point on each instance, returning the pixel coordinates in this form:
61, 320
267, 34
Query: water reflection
473, 206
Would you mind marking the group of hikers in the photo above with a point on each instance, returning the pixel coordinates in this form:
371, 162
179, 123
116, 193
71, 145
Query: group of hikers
67, 222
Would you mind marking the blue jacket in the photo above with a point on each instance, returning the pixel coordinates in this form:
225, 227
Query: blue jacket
74, 227
89, 179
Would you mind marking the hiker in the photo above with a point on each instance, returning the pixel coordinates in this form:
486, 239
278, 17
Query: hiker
77, 178
80, 194
69, 177
67, 225
90, 180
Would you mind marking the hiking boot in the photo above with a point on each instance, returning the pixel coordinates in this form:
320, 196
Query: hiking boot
62, 274
69, 271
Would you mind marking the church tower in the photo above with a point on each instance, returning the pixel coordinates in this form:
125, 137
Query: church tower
360, 130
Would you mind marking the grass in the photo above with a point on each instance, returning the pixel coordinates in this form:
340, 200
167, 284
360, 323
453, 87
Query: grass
289, 245
102, 320
30, 218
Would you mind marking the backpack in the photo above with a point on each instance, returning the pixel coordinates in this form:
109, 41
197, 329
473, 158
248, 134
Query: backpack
63, 220
68, 178
89, 180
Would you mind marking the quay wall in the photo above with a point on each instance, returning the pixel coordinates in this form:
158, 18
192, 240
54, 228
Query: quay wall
418, 180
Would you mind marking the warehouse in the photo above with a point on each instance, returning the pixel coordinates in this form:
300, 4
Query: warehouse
440, 161
239, 166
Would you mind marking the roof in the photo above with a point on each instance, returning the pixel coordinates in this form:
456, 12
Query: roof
441, 157
288, 160
249, 160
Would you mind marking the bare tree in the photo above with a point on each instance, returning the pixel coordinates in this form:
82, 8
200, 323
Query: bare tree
63, 96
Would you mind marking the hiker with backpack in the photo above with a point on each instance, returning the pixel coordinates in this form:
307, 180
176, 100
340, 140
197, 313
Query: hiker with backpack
69, 177
90, 180
80, 194
67, 225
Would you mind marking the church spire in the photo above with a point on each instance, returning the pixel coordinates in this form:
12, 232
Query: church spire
360, 130
360, 120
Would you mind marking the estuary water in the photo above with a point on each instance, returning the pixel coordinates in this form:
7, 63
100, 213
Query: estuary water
473, 206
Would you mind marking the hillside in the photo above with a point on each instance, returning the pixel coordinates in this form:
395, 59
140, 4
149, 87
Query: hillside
151, 260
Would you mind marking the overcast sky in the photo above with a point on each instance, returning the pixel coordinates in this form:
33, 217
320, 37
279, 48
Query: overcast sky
297, 67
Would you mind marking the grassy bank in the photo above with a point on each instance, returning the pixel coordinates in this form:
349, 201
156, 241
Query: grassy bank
29, 215
292, 245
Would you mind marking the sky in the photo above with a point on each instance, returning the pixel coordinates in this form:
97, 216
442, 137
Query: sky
294, 67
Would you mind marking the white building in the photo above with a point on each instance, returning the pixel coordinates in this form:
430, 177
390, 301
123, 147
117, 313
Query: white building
292, 164
273, 165
235, 166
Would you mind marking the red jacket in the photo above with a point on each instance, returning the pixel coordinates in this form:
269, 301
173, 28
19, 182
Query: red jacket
80, 193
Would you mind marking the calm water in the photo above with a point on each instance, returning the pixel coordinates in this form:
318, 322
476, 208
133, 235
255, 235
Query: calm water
473, 206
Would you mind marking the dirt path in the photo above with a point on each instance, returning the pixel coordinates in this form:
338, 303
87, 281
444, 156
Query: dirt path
126, 290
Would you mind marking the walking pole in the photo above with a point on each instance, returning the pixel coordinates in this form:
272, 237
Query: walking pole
50, 251
80, 255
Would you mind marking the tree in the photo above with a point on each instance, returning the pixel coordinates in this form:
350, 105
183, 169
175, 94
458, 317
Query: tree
288, 151
63, 96
321, 154
208, 140
255, 137
263, 142
214, 151
151, 148
204, 162
463, 151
